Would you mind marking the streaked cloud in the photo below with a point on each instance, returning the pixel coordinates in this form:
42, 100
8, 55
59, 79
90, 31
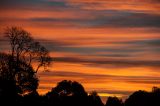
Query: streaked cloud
111, 46
117, 19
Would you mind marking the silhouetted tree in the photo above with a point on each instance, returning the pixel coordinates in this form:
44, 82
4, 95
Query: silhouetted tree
138, 98
94, 99
70, 93
24, 47
114, 101
17, 75
143, 98
69, 88
19, 82
155, 97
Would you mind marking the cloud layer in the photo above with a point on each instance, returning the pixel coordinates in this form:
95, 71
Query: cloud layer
111, 46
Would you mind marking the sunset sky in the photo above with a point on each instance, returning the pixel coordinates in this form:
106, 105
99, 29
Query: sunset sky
109, 46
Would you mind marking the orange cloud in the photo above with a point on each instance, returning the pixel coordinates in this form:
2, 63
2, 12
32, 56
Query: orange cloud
133, 5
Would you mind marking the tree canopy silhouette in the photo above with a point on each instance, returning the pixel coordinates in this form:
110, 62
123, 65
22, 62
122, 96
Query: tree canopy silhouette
23, 77
95, 100
114, 101
72, 93
68, 88
17, 73
144, 98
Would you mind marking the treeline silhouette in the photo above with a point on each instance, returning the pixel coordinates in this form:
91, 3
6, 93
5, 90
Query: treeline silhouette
19, 81
72, 93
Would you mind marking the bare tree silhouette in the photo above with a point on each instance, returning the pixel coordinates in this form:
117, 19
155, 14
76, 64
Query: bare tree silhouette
24, 47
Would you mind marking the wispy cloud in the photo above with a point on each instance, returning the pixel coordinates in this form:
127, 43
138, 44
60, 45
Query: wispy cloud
117, 19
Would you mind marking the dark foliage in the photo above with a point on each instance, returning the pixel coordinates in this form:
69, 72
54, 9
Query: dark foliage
70, 93
143, 98
22, 78
95, 100
17, 75
114, 101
